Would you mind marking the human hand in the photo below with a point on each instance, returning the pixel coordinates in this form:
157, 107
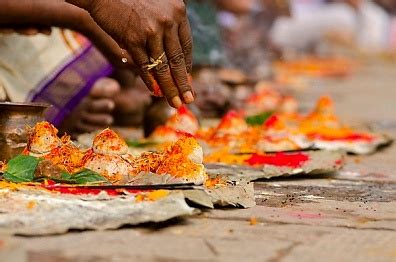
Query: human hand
147, 29
31, 17
95, 110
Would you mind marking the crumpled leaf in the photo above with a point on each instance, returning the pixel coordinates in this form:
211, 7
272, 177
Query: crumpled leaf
21, 169
139, 144
84, 176
259, 119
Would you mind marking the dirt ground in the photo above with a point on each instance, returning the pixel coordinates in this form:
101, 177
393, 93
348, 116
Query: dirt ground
343, 217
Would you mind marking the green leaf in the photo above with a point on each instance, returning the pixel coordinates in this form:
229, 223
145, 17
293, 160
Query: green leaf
66, 176
140, 144
83, 177
21, 169
259, 119
13, 178
88, 176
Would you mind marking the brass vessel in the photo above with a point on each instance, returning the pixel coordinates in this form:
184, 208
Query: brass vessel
15, 118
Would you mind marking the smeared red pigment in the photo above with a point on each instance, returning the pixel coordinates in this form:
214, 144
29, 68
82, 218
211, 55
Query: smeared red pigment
183, 110
157, 90
293, 160
339, 162
349, 138
271, 121
185, 134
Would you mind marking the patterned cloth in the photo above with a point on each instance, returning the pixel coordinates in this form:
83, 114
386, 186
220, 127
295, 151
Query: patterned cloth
59, 70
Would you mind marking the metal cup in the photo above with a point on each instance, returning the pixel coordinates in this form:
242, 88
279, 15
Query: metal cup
15, 119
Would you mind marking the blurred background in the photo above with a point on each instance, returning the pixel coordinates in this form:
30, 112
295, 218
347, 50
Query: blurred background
237, 44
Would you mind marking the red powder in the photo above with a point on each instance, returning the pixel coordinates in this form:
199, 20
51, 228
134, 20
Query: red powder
184, 134
232, 118
339, 162
271, 121
157, 90
231, 114
279, 159
183, 110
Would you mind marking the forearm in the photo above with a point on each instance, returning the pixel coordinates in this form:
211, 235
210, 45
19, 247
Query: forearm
40, 13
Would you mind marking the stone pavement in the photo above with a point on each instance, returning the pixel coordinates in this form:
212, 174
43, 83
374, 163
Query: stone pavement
348, 216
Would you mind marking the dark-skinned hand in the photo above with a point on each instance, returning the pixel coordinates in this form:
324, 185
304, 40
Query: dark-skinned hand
146, 29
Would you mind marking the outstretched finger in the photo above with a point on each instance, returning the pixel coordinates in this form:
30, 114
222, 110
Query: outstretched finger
177, 64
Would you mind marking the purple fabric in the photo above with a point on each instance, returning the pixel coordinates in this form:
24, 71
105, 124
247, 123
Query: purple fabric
70, 83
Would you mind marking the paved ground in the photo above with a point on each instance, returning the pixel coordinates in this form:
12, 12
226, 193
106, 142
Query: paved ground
349, 216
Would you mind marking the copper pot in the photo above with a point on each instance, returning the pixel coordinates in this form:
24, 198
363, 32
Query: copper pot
15, 118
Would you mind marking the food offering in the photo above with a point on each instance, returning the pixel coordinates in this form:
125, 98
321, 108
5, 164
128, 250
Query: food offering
54, 178
316, 67
181, 123
290, 131
267, 98
228, 133
324, 130
54, 164
273, 149
270, 123
235, 134
107, 161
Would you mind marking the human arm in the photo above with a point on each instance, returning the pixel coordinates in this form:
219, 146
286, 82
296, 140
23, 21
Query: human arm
147, 29
37, 15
